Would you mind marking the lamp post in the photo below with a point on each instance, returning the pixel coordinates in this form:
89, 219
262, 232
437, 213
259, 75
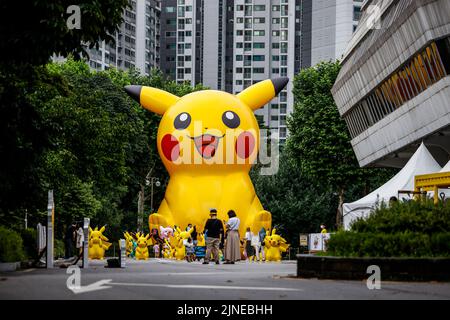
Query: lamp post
149, 181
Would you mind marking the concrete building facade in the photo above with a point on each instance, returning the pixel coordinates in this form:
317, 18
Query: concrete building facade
394, 86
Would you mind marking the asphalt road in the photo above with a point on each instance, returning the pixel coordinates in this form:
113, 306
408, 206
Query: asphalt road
167, 279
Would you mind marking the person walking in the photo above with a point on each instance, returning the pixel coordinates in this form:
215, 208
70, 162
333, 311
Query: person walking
214, 235
249, 250
256, 244
68, 241
262, 236
80, 239
232, 250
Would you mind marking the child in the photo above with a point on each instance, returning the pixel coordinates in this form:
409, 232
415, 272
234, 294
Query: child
156, 250
190, 250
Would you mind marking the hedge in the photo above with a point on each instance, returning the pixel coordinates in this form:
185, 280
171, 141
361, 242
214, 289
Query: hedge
406, 229
11, 246
405, 244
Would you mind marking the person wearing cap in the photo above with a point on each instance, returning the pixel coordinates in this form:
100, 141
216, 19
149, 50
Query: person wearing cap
214, 236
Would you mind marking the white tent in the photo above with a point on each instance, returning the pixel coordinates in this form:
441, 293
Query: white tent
446, 168
422, 162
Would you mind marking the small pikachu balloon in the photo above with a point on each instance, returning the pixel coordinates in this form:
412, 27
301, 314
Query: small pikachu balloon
274, 246
98, 243
208, 140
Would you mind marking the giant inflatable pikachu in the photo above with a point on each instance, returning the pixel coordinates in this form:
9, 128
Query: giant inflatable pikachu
208, 140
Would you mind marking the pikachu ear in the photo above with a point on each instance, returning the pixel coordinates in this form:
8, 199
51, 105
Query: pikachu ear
274, 231
155, 100
90, 229
96, 228
102, 229
262, 92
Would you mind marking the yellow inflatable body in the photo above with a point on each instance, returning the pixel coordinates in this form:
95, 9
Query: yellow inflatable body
208, 140
142, 246
201, 242
274, 246
180, 249
168, 251
98, 243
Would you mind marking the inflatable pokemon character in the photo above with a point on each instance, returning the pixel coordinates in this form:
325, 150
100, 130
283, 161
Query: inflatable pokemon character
130, 244
208, 140
165, 233
142, 246
168, 252
98, 243
201, 240
180, 249
274, 246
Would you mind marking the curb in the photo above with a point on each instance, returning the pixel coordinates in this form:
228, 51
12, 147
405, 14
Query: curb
395, 269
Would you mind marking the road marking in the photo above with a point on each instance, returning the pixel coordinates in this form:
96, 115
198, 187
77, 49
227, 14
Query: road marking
28, 270
197, 286
99, 285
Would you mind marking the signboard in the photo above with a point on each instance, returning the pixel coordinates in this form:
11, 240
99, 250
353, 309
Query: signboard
123, 252
50, 222
318, 241
303, 240
86, 243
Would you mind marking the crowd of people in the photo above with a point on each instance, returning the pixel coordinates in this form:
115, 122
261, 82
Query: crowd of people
221, 242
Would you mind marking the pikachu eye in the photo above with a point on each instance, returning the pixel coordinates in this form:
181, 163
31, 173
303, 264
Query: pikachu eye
182, 121
231, 119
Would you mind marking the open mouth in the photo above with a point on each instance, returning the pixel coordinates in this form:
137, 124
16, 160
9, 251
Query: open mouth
207, 145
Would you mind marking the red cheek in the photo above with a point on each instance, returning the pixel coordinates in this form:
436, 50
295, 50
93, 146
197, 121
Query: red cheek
170, 147
245, 144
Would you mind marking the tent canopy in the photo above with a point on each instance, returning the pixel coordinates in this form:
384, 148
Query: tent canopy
422, 162
446, 168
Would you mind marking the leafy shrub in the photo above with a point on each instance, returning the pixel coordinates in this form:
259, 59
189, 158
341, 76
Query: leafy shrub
59, 248
406, 244
406, 229
11, 246
414, 216
29, 242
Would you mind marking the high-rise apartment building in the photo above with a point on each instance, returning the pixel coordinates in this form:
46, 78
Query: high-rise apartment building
137, 43
232, 44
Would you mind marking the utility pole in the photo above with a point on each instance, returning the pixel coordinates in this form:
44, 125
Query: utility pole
141, 198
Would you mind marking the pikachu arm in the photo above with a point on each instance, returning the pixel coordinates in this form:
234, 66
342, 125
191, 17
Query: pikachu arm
106, 245
104, 238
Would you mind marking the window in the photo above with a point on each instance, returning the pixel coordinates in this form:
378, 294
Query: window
239, 57
419, 73
238, 70
239, 8
284, 47
258, 70
275, 45
258, 58
170, 9
274, 106
274, 118
188, 21
275, 58
170, 34
239, 45
188, 8
187, 46
259, 45
247, 46
188, 33
275, 33
239, 32
284, 35
181, 11
259, 20
259, 7
187, 58
240, 20
275, 70
284, 22
275, 20
259, 32
275, 8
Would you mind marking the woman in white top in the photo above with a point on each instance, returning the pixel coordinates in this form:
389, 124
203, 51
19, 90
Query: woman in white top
232, 250
80, 238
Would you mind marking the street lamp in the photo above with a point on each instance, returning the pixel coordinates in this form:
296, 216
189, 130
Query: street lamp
152, 181
149, 181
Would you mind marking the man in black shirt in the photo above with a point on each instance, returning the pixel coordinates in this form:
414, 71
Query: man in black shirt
214, 235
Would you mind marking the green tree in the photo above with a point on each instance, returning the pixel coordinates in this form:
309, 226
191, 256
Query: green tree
297, 204
33, 31
319, 141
